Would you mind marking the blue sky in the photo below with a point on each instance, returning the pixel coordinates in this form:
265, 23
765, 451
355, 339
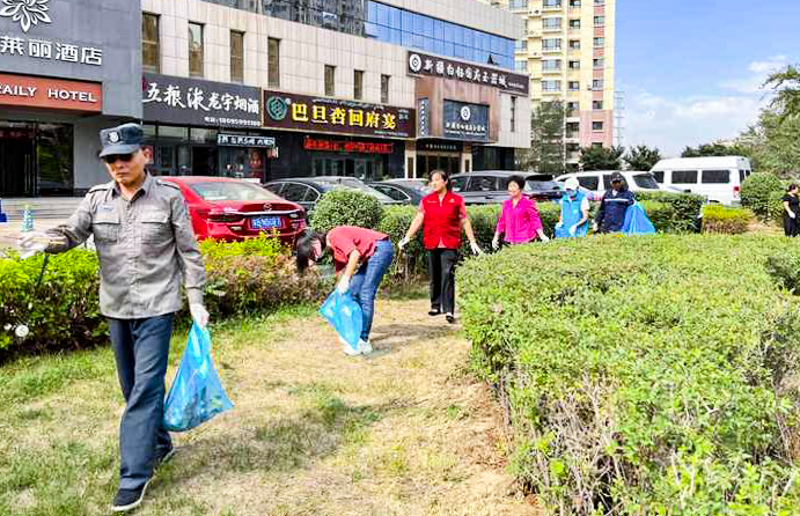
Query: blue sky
691, 70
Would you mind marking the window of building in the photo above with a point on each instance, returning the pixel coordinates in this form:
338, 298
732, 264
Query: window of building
551, 65
599, 21
597, 104
573, 85
551, 44
274, 63
574, 65
385, 89
574, 3
574, 44
598, 145
518, 4
552, 3
151, 54
574, 24
599, 42
551, 23
572, 107
551, 86
237, 56
684, 177
195, 50
521, 45
597, 84
597, 126
358, 84
513, 114
330, 76
598, 62
599, 2
522, 66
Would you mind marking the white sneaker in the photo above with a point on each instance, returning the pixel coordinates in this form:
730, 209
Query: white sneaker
348, 349
364, 346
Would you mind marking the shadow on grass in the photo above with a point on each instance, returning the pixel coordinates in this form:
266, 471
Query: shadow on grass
391, 337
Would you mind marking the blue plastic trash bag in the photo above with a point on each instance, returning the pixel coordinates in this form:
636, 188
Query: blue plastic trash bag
636, 221
342, 311
196, 394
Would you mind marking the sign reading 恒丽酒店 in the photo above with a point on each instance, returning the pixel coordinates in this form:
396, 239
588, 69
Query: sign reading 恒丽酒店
178, 100
322, 114
423, 64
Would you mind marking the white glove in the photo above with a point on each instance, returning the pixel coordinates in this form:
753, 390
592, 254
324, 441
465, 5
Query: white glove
475, 248
32, 242
402, 243
544, 238
573, 230
496, 243
792, 214
594, 227
344, 285
560, 224
199, 314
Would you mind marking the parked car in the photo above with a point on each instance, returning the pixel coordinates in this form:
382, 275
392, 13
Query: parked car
406, 191
306, 191
598, 181
719, 178
233, 210
490, 186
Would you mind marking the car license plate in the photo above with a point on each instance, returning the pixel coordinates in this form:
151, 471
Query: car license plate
265, 222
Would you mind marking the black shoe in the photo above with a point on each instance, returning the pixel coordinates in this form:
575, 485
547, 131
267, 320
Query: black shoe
163, 457
128, 499
450, 318
434, 311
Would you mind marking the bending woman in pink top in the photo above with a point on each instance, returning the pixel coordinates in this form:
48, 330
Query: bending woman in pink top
519, 221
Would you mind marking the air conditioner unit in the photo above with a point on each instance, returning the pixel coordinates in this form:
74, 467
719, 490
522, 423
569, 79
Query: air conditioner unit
537, 11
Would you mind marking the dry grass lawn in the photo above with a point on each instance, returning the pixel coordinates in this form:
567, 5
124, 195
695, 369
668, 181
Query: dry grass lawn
404, 431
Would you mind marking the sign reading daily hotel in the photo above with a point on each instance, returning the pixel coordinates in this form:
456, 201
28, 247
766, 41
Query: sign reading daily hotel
423, 64
182, 101
321, 114
26, 91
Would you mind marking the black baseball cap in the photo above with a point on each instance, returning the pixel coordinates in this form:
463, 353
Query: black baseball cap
123, 139
617, 177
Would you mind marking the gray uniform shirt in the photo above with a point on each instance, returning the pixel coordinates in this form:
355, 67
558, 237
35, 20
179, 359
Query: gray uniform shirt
145, 245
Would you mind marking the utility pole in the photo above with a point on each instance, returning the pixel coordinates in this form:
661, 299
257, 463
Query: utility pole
619, 118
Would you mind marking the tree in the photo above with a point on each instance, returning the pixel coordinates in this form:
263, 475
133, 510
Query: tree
707, 149
786, 83
773, 145
547, 152
602, 158
642, 157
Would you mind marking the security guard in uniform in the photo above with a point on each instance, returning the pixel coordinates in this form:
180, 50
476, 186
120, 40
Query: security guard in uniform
611, 213
146, 249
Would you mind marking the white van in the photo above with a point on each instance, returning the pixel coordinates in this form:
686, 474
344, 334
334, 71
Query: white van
598, 181
718, 178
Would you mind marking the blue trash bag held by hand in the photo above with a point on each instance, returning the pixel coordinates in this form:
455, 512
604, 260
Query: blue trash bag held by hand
636, 221
196, 394
344, 314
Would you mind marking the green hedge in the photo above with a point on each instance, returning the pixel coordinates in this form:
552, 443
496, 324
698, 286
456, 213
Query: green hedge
686, 209
757, 191
255, 275
647, 375
343, 207
722, 219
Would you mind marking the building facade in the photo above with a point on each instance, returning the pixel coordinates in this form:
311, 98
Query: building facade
338, 93
568, 51
61, 81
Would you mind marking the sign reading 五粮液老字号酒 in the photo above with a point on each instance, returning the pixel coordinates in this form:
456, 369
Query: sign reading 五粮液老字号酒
182, 101
423, 64
326, 115
469, 122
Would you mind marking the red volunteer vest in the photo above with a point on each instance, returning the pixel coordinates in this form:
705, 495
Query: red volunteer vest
442, 220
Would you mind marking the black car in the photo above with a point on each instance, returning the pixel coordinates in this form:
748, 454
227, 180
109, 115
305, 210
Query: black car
306, 191
407, 191
490, 186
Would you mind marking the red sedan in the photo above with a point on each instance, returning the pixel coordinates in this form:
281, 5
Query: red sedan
233, 210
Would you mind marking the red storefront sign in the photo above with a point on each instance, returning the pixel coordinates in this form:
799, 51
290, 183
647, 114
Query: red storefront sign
37, 92
316, 144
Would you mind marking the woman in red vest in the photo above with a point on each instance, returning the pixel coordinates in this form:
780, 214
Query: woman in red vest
444, 215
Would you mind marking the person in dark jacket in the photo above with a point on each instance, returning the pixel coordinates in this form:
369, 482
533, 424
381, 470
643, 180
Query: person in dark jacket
791, 208
611, 214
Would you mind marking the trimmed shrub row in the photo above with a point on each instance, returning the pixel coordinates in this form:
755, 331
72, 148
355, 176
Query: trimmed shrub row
251, 276
645, 375
721, 219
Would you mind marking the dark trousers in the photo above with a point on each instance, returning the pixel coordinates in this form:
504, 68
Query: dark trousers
441, 269
791, 227
141, 349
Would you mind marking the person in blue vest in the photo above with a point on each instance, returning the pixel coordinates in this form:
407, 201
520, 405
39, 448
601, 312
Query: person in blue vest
574, 219
611, 214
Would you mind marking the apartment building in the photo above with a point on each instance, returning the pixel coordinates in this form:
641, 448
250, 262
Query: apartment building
278, 88
568, 51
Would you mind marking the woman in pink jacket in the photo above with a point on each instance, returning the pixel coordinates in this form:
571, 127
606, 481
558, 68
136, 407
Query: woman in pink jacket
519, 221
